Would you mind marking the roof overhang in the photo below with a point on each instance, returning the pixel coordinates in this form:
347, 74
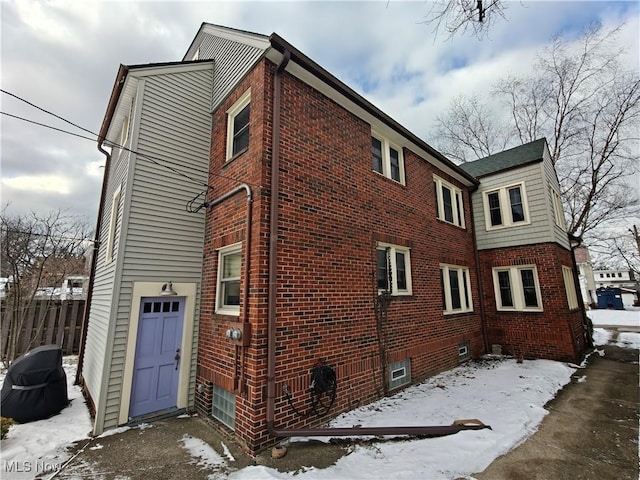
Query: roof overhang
313, 74
125, 87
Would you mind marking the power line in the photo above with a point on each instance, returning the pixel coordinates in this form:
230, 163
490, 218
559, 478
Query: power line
47, 126
149, 158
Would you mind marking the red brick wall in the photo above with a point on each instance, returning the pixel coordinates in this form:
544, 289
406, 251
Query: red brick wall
333, 210
555, 333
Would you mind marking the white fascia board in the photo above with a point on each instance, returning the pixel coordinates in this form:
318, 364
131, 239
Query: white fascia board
248, 38
135, 74
376, 124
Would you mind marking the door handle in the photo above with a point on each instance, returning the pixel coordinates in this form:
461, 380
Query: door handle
177, 358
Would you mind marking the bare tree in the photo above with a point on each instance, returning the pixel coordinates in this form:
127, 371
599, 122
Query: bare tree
36, 252
587, 107
461, 16
469, 131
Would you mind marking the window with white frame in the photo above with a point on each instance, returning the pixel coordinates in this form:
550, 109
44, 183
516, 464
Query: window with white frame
456, 289
558, 210
517, 288
570, 287
506, 207
113, 223
449, 205
393, 269
238, 126
387, 159
228, 288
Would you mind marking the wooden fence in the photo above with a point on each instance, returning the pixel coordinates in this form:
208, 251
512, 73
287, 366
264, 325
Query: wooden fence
47, 322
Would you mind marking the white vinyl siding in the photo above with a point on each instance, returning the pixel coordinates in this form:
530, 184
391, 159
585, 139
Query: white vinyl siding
158, 240
233, 60
570, 287
540, 227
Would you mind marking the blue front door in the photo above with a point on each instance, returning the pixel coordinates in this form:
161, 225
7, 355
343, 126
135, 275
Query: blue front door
156, 368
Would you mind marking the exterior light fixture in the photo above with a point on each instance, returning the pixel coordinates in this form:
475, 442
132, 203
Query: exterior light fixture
167, 289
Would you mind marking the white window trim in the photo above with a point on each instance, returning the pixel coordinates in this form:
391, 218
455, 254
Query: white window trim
570, 287
236, 108
505, 207
222, 252
392, 260
517, 290
386, 158
456, 194
444, 271
113, 223
558, 210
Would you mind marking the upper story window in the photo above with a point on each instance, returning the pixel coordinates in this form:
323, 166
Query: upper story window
387, 159
456, 289
558, 211
238, 126
517, 288
113, 224
449, 206
228, 288
506, 207
393, 269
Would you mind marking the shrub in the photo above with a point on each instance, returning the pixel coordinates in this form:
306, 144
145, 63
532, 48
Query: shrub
5, 424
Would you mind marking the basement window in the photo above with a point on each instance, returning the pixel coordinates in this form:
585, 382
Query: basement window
399, 374
224, 407
464, 352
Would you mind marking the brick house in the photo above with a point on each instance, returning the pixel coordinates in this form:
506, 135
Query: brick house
332, 237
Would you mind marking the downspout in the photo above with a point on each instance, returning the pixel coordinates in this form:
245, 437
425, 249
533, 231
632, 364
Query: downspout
111, 108
272, 297
94, 261
483, 318
247, 264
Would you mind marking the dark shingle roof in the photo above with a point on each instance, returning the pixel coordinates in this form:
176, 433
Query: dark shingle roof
514, 157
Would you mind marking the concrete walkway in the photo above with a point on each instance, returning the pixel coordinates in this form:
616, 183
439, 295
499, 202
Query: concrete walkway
591, 431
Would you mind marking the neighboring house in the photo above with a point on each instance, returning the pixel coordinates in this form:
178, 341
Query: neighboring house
585, 274
625, 280
332, 237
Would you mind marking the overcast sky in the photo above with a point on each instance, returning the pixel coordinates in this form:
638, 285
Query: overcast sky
64, 56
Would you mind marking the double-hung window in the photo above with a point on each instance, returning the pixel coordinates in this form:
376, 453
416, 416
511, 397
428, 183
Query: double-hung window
449, 205
112, 239
387, 159
570, 287
558, 210
238, 126
506, 207
456, 289
228, 288
393, 269
517, 288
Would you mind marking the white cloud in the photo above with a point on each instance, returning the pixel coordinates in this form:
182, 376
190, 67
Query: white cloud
64, 56
60, 184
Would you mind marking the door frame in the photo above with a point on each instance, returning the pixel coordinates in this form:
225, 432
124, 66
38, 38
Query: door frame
153, 289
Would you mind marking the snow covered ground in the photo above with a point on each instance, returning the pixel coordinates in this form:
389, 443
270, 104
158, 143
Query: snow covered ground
499, 391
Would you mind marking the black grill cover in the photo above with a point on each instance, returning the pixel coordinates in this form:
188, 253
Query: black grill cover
35, 386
